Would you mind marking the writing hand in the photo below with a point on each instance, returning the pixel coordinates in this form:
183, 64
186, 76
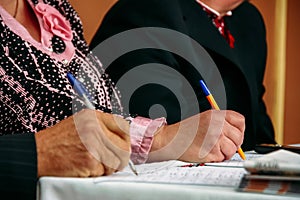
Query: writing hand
89, 143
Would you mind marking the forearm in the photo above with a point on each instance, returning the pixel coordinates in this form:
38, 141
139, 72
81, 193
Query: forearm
211, 136
162, 147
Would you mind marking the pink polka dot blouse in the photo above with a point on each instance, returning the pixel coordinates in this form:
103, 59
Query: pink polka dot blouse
35, 92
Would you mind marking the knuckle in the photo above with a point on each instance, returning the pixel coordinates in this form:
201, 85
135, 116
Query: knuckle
87, 127
90, 161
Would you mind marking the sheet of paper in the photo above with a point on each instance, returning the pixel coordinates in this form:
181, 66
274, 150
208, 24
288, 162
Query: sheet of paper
171, 172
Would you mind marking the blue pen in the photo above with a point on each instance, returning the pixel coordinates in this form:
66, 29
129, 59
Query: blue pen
81, 91
79, 88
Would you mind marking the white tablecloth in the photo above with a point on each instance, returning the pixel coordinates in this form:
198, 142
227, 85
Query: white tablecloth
164, 180
51, 188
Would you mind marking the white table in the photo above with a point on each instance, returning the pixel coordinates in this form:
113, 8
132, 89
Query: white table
79, 189
126, 186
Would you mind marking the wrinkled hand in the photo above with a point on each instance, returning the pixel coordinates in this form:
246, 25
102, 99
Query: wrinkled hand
89, 143
210, 136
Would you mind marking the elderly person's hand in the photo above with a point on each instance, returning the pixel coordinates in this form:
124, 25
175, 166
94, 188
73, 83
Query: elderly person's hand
89, 143
210, 136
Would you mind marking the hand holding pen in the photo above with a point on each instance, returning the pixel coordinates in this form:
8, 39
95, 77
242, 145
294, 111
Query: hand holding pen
214, 105
83, 93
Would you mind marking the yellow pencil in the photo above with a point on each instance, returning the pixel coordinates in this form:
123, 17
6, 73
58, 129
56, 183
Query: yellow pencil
215, 106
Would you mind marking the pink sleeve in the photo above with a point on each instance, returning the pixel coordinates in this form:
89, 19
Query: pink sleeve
141, 135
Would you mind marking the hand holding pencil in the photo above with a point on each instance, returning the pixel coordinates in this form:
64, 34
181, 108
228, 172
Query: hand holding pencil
215, 106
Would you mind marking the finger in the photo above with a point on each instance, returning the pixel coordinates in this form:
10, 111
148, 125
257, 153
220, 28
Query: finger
102, 169
121, 156
235, 119
104, 145
114, 137
115, 140
98, 171
115, 124
97, 144
228, 148
216, 155
109, 170
234, 134
119, 148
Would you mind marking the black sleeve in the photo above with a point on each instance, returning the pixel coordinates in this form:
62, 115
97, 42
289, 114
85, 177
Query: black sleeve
265, 131
18, 166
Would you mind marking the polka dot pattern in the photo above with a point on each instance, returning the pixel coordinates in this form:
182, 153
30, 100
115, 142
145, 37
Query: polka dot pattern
35, 92
58, 45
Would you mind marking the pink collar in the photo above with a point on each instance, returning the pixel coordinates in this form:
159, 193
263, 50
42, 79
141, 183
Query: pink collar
48, 27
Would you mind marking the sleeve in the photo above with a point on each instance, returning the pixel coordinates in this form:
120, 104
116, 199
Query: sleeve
142, 131
18, 166
265, 130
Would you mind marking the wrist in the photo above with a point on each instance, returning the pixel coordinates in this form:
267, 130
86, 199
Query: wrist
162, 138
